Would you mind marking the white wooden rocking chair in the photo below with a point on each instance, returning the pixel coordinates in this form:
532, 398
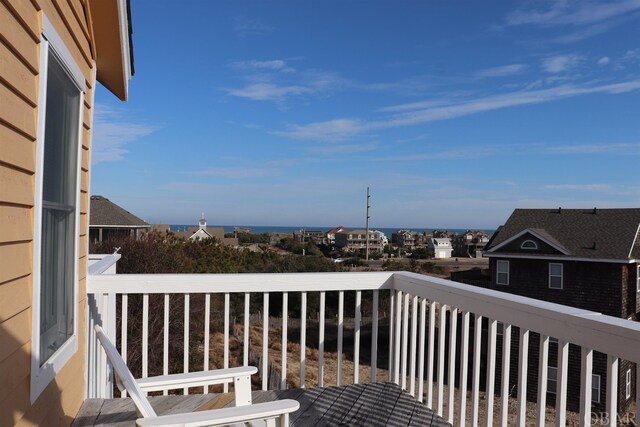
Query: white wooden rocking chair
244, 412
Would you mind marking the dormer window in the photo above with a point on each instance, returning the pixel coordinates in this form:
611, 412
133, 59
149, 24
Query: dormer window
529, 244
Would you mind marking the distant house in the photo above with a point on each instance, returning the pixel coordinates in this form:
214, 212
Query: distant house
470, 244
584, 258
354, 240
441, 247
316, 236
403, 238
108, 220
204, 232
331, 234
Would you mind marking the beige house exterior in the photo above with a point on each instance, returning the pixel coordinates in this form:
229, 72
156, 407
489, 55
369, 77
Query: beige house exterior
52, 52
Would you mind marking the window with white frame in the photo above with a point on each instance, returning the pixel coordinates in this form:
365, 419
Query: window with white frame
595, 388
502, 276
56, 213
555, 275
628, 384
529, 244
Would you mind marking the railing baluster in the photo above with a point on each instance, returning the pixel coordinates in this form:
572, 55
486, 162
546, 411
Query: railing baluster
421, 341
586, 369
356, 338
247, 328
414, 333
442, 326
374, 337
543, 368
165, 341
123, 332
186, 338
303, 338
405, 339
340, 334
207, 323
491, 369
506, 363
612, 389
464, 368
431, 353
523, 361
321, 341
265, 341
475, 383
451, 377
637, 419
561, 390
396, 338
227, 313
285, 315
145, 336
392, 306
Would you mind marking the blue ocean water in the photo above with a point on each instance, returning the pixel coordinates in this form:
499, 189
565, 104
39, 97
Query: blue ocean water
260, 229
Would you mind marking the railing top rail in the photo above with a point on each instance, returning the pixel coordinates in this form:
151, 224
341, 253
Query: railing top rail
104, 263
222, 283
586, 328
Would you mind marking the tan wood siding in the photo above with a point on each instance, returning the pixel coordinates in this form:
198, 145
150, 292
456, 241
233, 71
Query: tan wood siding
18, 39
21, 24
17, 150
16, 113
17, 186
17, 76
15, 261
15, 297
16, 224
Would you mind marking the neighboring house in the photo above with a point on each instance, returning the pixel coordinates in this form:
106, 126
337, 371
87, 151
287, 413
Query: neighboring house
585, 258
384, 240
441, 247
353, 240
403, 238
331, 234
315, 236
203, 232
52, 55
470, 244
108, 220
277, 238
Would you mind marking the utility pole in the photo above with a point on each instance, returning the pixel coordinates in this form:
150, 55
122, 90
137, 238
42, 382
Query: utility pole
368, 206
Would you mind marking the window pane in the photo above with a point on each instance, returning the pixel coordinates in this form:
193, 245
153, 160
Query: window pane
555, 282
58, 210
555, 269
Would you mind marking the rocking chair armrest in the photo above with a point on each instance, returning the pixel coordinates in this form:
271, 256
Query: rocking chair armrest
224, 416
194, 379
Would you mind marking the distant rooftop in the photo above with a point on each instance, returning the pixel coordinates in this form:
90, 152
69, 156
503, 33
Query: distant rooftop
105, 213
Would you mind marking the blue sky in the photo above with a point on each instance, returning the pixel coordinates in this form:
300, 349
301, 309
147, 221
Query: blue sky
454, 113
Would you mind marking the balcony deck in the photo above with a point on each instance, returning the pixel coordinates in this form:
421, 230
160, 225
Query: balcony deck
379, 404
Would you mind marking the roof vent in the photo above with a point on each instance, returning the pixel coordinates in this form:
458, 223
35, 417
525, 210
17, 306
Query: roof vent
595, 210
559, 210
594, 246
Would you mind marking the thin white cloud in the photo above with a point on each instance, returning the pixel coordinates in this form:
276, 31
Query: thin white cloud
274, 65
268, 91
567, 12
502, 71
112, 133
632, 149
245, 26
560, 63
604, 60
579, 187
344, 128
344, 148
237, 172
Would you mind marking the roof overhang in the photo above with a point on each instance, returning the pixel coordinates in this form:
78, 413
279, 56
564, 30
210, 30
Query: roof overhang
559, 258
112, 35
554, 245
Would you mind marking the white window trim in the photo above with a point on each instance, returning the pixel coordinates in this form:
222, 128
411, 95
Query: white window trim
561, 276
498, 272
41, 376
529, 248
628, 384
595, 397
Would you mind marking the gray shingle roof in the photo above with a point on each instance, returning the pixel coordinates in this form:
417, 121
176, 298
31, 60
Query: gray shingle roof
105, 212
614, 231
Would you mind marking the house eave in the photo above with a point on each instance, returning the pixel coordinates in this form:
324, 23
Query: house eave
111, 29
559, 258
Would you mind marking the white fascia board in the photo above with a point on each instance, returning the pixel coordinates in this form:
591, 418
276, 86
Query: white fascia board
532, 232
635, 237
558, 258
123, 16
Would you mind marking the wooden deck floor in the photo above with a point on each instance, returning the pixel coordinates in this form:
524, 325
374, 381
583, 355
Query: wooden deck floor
380, 404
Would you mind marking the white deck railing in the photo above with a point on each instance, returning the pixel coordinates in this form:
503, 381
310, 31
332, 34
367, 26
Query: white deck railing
423, 311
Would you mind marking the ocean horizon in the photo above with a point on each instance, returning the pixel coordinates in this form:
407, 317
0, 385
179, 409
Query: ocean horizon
272, 229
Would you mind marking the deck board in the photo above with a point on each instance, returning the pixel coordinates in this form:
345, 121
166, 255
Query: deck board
378, 404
